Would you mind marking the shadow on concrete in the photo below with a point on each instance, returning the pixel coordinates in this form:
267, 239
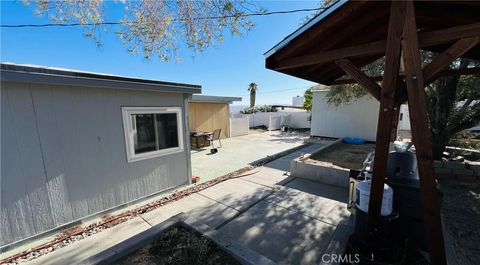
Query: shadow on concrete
282, 164
287, 226
287, 235
319, 189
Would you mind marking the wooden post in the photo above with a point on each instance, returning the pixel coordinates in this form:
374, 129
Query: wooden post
396, 116
421, 137
386, 113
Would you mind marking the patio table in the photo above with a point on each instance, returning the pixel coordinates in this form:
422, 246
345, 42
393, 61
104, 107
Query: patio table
199, 139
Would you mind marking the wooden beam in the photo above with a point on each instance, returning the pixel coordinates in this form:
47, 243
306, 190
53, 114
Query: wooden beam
371, 48
447, 57
445, 36
396, 117
421, 137
442, 73
386, 114
426, 39
355, 73
458, 72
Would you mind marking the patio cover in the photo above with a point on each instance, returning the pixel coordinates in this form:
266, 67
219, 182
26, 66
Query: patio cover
358, 30
352, 34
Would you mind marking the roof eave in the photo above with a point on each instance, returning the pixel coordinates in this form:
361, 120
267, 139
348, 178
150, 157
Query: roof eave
304, 28
214, 99
39, 78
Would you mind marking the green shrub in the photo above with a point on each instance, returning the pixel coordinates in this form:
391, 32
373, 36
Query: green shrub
264, 108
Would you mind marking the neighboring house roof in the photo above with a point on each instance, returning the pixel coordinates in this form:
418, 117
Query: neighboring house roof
214, 99
58, 76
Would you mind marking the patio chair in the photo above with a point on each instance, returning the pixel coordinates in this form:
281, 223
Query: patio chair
215, 136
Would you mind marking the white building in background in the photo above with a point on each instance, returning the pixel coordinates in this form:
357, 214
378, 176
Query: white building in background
404, 118
297, 101
356, 119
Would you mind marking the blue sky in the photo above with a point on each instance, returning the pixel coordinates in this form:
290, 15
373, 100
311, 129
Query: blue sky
225, 70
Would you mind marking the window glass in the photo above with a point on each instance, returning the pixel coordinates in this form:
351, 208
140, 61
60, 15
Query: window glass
154, 132
144, 133
167, 130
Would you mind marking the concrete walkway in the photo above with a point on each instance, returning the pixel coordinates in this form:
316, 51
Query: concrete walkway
290, 224
239, 152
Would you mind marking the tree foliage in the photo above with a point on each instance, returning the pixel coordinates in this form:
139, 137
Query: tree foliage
307, 99
157, 27
453, 103
343, 94
253, 87
252, 110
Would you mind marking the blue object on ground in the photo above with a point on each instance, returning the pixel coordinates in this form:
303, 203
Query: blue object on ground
353, 140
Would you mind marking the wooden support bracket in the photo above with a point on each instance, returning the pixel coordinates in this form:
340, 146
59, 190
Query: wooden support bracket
447, 57
373, 88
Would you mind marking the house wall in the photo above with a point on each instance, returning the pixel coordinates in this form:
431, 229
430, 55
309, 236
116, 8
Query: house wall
404, 118
297, 101
356, 119
63, 155
207, 117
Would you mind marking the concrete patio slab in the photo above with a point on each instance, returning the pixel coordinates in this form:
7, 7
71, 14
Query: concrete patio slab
237, 193
291, 224
239, 152
198, 208
319, 208
283, 163
276, 172
266, 176
284, 236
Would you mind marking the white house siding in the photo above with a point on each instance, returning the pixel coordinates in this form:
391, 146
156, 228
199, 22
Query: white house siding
404, 119
63, 155
297, 101
356, 119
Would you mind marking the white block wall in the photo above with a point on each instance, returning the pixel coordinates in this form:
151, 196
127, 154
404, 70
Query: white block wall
239, 126
357, 119
273, 120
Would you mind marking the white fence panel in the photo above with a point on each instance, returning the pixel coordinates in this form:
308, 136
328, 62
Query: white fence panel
300, 119
356, 119
261, 118
239, 126
274, 122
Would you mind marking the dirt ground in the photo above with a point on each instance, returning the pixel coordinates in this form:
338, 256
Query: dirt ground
180, 246
461, 212
345, 155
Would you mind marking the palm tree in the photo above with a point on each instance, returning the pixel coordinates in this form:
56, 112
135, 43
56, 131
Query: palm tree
253, 93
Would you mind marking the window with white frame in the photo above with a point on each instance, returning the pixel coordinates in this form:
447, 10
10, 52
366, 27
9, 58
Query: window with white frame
152, 131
